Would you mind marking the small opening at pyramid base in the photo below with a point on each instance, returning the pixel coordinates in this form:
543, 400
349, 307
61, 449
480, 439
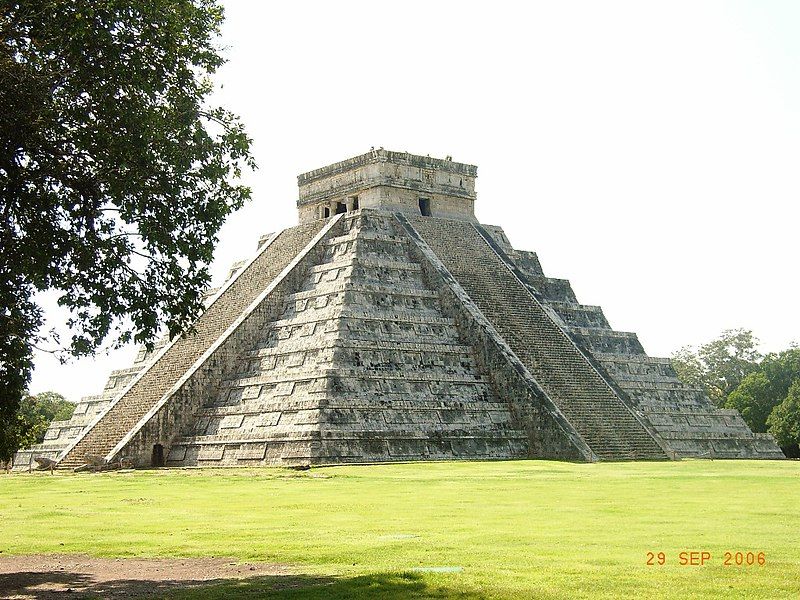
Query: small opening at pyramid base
341, 207
425, 207
158, 456
326, 212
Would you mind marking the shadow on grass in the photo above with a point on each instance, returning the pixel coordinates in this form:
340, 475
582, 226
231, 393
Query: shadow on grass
50, 585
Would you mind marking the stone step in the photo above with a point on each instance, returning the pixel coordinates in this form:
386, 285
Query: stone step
406, 317
361, 235
400, 375
328, 289
353, 261
580, 315
425, 402
310, 344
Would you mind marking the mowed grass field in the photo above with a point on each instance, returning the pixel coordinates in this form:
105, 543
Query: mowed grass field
520, 529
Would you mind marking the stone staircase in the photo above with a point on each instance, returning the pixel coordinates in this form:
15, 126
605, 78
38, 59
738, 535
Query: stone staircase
602, 419
119, 419
61, 434
360, 366
683, 417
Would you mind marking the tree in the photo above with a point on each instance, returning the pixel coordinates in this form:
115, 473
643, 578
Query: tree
12, 436
754, 399
115, 174
760, 392
719, 366
689, 368
38, 411
784, 421
31, 421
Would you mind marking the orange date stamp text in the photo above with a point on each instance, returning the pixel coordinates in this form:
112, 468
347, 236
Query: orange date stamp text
701, 558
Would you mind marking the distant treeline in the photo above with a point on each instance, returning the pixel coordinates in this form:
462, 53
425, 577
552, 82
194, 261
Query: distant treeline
765, 389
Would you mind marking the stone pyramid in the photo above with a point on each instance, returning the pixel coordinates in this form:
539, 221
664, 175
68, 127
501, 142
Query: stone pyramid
389, 325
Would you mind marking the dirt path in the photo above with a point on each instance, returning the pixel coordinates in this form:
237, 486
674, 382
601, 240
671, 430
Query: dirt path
48, 577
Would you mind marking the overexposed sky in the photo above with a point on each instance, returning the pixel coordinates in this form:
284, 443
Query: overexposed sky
649, 152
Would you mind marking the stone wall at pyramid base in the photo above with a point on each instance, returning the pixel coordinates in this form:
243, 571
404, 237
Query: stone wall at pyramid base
368, 448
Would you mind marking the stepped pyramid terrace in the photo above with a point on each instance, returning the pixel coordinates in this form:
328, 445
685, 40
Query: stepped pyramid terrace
389, 325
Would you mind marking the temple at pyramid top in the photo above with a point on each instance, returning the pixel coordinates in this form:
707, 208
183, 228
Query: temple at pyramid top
392, 182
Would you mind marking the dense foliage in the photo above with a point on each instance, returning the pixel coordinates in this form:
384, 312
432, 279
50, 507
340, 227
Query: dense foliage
115, 174
784, 420
31, 421
719, 366
767, 390
769, 398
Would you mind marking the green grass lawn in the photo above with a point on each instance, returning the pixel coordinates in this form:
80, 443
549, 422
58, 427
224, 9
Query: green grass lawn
509, 529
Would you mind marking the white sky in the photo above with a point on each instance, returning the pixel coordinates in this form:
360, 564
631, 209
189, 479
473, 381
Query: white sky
647, 151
